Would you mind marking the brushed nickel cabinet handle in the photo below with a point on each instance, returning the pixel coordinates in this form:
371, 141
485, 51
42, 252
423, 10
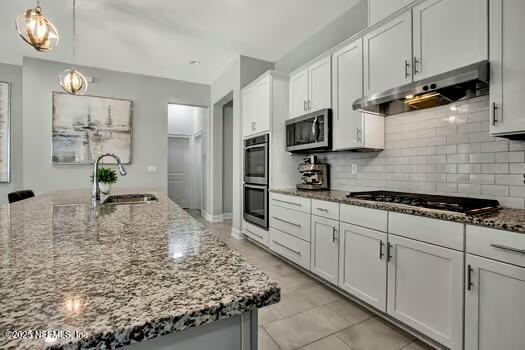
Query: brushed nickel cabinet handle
510, 249
381, 254
494, 109
469, 277
322, 209
407, 65
416, 61
285, 247
334, 233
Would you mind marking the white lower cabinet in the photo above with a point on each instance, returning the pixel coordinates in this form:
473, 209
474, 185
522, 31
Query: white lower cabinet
290, 247
325, 248
425, 289
362, 264
494, 305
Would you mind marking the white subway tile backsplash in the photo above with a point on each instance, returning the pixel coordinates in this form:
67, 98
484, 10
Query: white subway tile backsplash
438, 151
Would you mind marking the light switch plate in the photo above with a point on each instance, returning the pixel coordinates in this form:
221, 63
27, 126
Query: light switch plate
354, 169
152, 168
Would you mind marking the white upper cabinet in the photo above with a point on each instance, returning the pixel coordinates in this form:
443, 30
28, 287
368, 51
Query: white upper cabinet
256, 106
507, 66
320, 84
311, 88
325, 248
448, 34
299, 93
352, 129
425, 289
388, 54
362, 264
494, 305
381, 9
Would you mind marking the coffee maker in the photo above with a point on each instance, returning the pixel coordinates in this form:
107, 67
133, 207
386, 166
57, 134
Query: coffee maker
314, 175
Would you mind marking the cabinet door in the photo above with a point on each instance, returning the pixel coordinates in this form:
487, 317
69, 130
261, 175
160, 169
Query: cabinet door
347, 82
325, 248
507, 67
362, 264
388, 55
449, 34
425, 289
494, 305
299, 93
381, 9
320, 83
248, 126
261, 105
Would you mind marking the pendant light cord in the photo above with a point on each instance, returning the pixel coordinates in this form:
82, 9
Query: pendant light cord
74, 32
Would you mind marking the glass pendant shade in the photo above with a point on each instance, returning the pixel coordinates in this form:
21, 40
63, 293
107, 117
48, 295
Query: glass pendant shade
73, 82
37, 30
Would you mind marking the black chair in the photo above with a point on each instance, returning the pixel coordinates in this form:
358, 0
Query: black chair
19, 195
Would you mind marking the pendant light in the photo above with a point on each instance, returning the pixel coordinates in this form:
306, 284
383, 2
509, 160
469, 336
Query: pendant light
37, 30
71, 80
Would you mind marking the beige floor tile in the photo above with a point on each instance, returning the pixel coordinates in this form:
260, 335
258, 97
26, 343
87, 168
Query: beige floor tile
297, 282
304, 328
292, 304
375, 334
268, 314
328, 343
319, 295
265, 342
350, 311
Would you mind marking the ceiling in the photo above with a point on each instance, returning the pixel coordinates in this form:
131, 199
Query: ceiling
160, 37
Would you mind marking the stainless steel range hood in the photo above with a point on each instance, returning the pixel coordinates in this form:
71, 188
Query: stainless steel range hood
459, 84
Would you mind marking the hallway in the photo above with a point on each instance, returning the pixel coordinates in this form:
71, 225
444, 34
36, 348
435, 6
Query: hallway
311, 316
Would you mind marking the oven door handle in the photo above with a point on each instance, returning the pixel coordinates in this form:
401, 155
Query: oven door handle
260, 145
261, 187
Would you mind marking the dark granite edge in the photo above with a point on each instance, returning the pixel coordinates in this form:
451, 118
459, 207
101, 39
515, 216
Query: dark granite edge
490, 220
152, 329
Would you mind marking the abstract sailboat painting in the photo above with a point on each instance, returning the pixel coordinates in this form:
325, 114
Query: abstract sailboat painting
87, 126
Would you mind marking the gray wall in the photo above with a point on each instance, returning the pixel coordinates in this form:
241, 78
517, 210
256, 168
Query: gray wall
227, 157
150, 97
349, 23
13, 75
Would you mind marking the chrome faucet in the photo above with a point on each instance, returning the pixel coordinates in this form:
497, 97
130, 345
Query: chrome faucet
95, 192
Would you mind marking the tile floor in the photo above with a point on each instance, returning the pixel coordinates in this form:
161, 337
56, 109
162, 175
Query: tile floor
311, 316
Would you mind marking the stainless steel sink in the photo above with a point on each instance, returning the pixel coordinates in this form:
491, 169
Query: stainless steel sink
141, 198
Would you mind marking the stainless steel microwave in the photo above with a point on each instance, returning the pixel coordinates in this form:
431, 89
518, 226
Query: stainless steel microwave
309, 132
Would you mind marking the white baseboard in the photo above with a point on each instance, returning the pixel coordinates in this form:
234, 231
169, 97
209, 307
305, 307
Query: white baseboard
216, 218
237, 234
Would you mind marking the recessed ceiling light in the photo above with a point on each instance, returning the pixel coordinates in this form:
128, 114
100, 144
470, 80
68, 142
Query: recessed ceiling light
194, 62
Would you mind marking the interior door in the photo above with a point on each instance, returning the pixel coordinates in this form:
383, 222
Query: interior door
197, 155
178, 180
449, 34
388, 54
507, 67
494, 305
325, 248
320, 81
362, 264
347, 81
298, 93
425, 289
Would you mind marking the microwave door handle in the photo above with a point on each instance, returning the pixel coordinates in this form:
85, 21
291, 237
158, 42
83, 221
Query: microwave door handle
315, 129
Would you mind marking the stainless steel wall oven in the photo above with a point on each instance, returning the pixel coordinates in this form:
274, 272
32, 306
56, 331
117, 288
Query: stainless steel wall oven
256, 180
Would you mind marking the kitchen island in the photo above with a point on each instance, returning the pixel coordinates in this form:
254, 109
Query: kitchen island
146, 275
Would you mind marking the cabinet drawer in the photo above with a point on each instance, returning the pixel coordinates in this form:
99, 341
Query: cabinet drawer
325, 209
290, 202
256, 233
372, 218
290, 247
290, 221
439, 232
495, 244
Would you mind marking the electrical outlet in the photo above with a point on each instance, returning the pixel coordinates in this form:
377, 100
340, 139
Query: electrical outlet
152, 168
354, 169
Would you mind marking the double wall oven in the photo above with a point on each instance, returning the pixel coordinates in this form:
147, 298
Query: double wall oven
256, 180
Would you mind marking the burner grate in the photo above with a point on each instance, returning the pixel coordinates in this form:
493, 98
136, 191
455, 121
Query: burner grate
464, 205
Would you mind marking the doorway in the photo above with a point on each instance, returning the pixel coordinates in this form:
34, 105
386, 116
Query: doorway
227, 160
185, 168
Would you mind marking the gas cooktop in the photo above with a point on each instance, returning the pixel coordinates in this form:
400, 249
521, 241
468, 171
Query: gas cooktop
467, 206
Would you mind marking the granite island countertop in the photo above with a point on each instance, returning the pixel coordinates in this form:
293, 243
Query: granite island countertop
503, 219
115, 275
